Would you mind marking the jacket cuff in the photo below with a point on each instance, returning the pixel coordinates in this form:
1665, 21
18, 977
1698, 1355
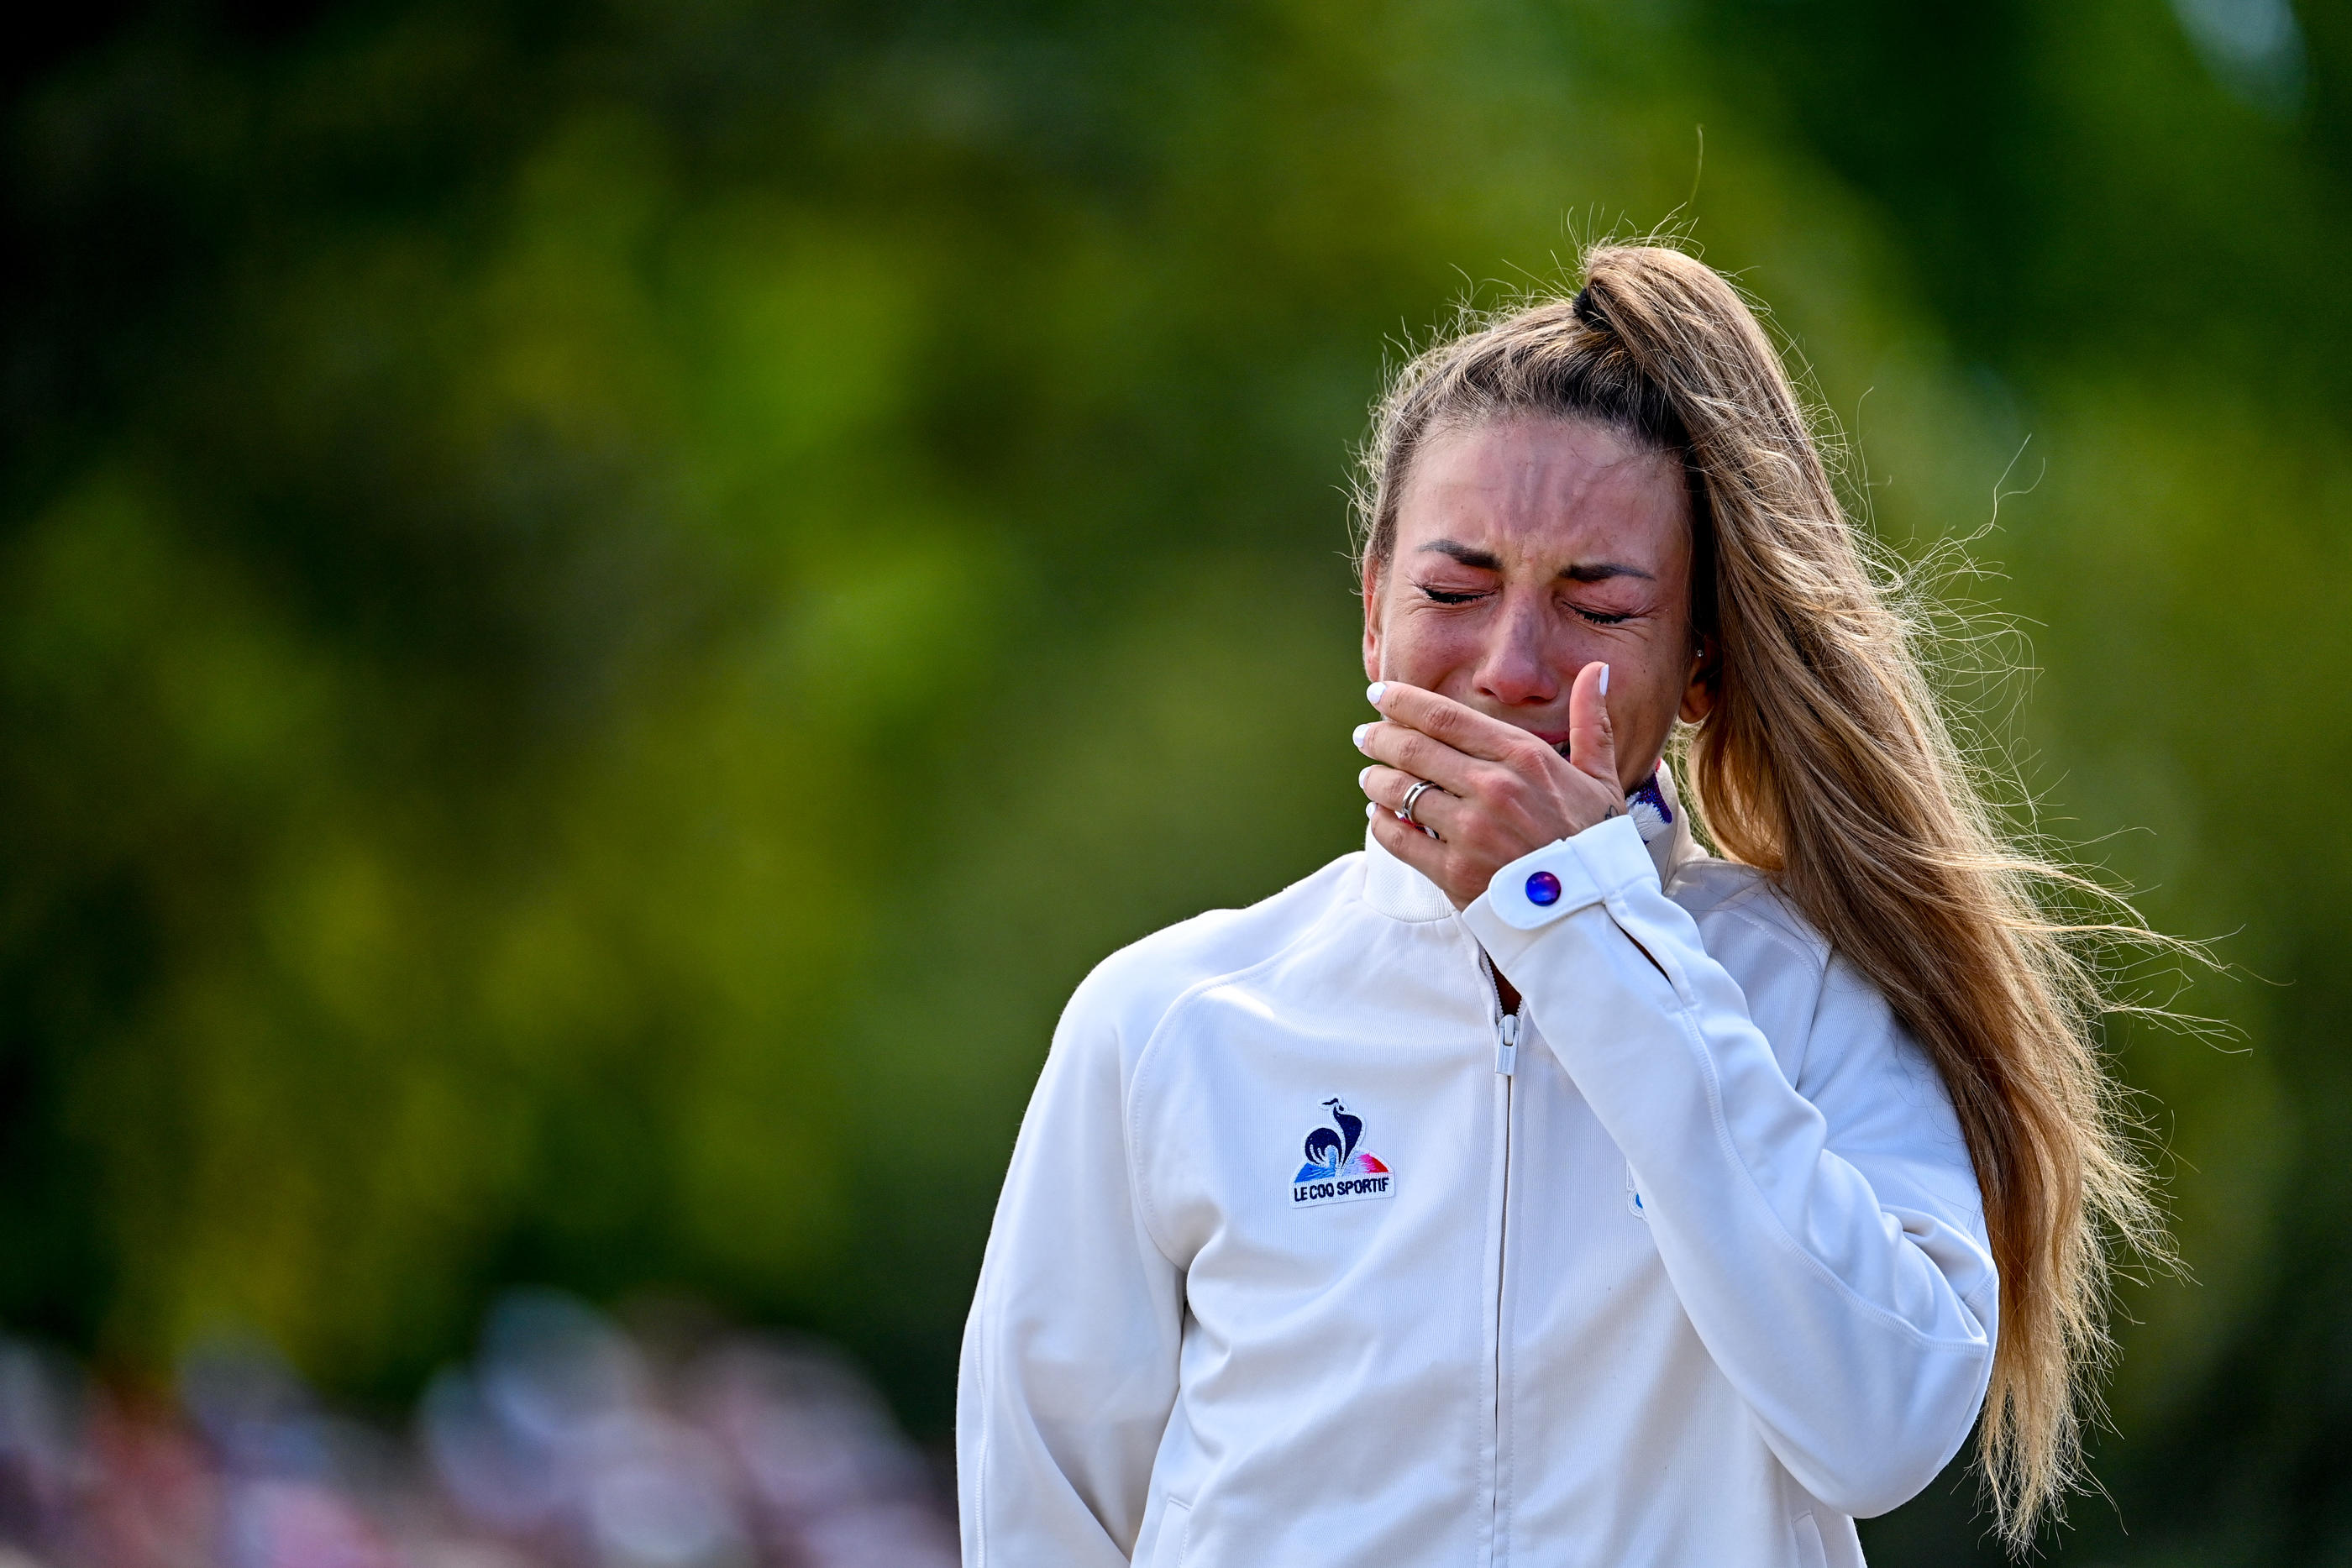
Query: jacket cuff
1565, 876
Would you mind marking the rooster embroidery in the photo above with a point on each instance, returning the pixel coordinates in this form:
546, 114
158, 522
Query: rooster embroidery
1330, 1153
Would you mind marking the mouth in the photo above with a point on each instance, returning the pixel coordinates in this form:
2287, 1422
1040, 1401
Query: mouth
1555, 738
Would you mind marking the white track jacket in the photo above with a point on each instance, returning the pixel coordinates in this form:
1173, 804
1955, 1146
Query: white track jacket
1307, 1258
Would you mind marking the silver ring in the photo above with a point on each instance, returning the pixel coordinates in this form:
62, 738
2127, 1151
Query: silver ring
1410, 796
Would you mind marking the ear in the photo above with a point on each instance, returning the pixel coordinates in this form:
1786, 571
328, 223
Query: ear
1706, 674
1374, 576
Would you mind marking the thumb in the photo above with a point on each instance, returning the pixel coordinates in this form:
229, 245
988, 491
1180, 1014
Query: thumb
1591, 744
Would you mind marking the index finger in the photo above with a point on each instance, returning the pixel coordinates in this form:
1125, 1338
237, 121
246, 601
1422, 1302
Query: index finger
1464, 729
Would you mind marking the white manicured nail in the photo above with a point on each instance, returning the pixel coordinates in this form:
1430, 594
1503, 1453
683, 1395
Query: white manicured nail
1371, 809
1372, 693
1604, 680
1364, 773
1361, 730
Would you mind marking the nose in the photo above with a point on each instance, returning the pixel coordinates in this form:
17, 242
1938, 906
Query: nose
1512, 669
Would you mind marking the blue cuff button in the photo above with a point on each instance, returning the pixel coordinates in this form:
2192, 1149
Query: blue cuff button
1543, 888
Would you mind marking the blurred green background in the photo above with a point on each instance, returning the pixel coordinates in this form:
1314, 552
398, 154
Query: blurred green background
602, 607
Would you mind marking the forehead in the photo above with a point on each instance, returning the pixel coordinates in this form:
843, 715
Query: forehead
1550, 491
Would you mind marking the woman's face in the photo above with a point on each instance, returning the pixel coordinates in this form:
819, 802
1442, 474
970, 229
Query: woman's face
1527, 549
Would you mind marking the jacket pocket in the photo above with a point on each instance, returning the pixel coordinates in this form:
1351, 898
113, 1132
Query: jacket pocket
1809, 1553
1175, 1534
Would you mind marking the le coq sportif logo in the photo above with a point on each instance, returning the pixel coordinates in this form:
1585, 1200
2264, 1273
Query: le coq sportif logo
1339, 1169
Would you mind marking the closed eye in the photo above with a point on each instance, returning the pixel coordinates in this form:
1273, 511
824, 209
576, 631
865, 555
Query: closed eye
1455, 596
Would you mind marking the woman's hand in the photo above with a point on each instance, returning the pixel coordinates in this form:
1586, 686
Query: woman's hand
1498, 791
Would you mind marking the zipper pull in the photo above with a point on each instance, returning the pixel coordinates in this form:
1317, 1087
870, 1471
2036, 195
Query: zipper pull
1507, 1053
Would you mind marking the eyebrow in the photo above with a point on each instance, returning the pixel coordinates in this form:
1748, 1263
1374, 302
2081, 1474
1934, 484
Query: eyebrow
1486, 560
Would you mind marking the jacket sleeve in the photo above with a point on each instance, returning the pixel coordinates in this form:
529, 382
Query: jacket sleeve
1825, 1237
1070, 1354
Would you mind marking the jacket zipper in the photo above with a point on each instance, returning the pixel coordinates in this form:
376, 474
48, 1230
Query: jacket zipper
1506, 1063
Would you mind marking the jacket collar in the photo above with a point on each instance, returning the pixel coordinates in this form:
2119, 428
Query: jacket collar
1401, 893
1398, 891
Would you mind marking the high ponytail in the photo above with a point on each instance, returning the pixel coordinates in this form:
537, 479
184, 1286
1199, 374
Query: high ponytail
1826, 764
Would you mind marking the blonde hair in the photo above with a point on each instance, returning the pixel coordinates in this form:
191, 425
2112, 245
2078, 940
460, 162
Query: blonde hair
1827, 765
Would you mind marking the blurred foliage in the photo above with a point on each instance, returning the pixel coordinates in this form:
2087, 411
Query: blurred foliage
601, 608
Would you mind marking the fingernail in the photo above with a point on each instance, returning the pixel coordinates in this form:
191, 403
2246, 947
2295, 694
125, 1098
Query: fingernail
1372, 693
1371, 809
1604, 680
1364, 773
1360, 731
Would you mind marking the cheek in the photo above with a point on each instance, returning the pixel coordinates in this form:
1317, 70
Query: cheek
1651, 699
1421, 649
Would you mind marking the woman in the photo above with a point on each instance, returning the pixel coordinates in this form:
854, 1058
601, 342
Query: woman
1533, 1186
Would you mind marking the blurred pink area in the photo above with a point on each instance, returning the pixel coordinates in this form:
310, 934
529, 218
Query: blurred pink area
566, 1443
